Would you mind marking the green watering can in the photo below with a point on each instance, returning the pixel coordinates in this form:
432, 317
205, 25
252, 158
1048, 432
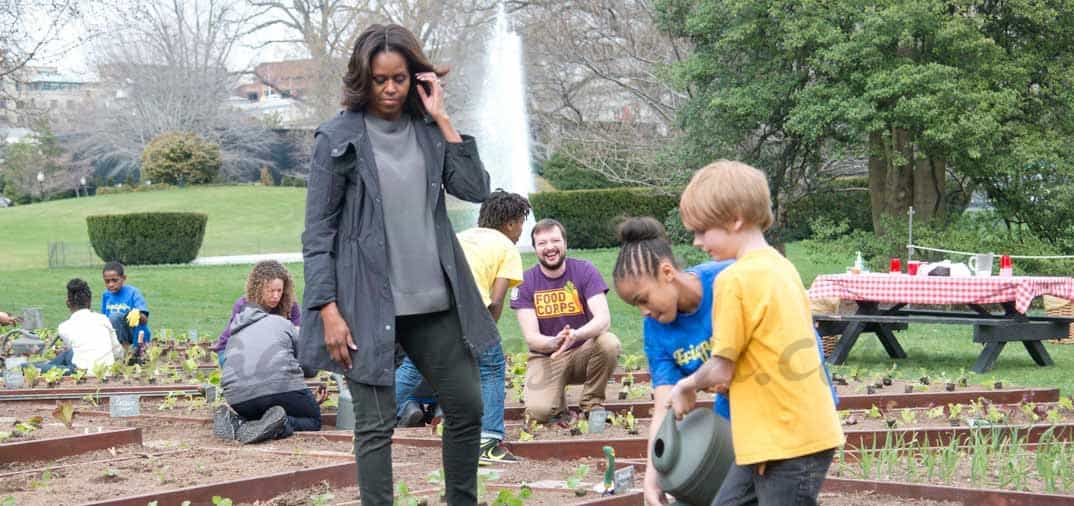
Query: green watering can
692, 456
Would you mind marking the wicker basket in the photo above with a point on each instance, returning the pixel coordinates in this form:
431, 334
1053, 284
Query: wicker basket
1055, 306
828, 306
828, 344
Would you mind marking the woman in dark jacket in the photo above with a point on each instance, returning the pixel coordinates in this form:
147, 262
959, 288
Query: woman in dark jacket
382, 264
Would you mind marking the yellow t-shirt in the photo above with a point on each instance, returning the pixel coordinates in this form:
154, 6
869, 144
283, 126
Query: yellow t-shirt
781, 404
491, 255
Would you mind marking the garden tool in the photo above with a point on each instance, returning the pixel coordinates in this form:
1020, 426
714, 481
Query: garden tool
609, 473
692, 456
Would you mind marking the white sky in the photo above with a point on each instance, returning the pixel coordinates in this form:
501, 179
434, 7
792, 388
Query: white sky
70, 52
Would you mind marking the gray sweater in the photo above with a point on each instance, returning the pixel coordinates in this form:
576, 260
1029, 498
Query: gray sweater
261, 357
417, 281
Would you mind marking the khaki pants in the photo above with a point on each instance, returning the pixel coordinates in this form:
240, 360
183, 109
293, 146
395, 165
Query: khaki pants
590, 364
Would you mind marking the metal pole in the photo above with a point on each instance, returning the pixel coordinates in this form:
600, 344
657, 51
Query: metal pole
910, 236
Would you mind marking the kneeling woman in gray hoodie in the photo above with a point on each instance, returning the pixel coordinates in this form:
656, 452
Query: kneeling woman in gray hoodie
263, 381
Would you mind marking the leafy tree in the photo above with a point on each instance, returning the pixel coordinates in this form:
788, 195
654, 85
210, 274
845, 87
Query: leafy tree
921, 88
180, 158
23, 160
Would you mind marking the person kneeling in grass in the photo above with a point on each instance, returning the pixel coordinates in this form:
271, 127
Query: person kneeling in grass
88, 337
262, 380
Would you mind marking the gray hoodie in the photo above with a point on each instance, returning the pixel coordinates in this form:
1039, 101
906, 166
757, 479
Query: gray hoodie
260, 357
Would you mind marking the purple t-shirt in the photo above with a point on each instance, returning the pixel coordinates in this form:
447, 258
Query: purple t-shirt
221, 343
560, 301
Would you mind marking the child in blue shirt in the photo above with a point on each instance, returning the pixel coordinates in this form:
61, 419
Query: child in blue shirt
125, 308
677, 306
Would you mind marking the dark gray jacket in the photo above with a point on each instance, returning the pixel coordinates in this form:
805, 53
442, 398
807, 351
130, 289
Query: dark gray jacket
345, 249
261, 358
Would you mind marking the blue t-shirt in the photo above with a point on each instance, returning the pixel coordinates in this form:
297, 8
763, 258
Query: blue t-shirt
675, 350
121, 303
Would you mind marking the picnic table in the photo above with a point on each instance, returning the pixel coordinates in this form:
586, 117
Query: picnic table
898, 291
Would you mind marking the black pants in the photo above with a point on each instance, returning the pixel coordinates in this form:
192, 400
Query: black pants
434, 343
303, 413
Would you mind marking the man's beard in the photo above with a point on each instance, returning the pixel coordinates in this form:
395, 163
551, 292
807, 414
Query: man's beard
552, 267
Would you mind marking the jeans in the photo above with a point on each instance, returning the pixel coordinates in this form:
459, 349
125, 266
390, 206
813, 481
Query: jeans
124, 333
410, 386
435, 343
794, 481
491, 366
62, 360
303, 413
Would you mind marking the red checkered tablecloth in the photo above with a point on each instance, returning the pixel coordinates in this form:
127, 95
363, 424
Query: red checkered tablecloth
902, 288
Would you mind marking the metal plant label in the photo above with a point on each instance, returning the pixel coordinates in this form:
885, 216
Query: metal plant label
597, 418
624, 480
124, 405
13, 378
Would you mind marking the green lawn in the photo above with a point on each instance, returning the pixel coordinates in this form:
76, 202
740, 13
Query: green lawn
242, 219
250, 219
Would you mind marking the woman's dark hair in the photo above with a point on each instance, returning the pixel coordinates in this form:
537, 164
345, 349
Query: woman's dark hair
262, 274
358, 82
78, 294
645, 245
502, 208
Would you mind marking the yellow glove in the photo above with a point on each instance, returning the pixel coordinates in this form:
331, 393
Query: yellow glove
134, 317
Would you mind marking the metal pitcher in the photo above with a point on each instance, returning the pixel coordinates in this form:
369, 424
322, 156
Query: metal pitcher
345, 408
692, 456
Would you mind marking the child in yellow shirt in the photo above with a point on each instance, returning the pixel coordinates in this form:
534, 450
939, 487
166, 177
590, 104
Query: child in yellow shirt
764, 353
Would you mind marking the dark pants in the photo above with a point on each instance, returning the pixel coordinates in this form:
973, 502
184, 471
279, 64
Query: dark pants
434, 343
794, 481
303, 413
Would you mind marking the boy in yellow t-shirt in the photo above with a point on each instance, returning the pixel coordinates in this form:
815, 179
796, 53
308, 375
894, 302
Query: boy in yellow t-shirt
493, 257
764, 355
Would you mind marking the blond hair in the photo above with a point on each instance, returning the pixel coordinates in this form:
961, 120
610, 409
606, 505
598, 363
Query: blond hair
724, 191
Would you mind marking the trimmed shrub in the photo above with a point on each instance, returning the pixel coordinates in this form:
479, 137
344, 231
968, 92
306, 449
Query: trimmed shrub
180, 158
591, 216
147, 238
565, 174
135, 188
296, 181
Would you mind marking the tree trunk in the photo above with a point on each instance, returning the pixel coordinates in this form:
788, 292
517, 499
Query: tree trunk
902, 175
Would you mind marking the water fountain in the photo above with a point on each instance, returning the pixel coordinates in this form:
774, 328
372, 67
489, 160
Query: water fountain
502, 125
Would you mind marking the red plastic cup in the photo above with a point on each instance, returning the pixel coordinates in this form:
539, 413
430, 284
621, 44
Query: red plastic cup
1005, 267
896, 266
911, 267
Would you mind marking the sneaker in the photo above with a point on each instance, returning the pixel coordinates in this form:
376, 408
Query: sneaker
267, 427
494, 452
225, 423
412, 416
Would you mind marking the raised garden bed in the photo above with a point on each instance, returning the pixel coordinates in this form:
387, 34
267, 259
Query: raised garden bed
47, 448
173, 476
99, 394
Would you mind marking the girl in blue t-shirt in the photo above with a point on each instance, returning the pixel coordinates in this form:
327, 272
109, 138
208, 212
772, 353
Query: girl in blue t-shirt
677, 306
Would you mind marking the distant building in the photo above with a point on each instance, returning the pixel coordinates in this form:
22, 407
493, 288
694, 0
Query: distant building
50, 92
276, 89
